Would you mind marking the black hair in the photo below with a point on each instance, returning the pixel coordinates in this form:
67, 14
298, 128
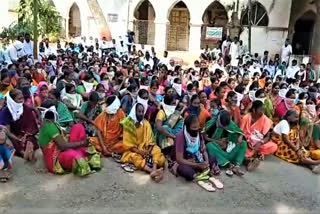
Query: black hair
168, 100
4, 74
275, 84
94, 96
190, 120
110, 100
13, 93
142, 92
240, 88
255, 105
55, 92
69, 87
290, 92
194, 97
255, 84
230, 95
190, 86
225, 118
223, 84
218, 89
154, 83
259, 92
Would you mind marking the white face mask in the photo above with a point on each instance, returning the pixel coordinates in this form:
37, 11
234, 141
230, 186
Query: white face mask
178, 88
168, 109
283, 92
261, 99
105, 83
240, 97
101, 95
88, 86
252, 95
39, 70
143, 102
110, 75
113, 108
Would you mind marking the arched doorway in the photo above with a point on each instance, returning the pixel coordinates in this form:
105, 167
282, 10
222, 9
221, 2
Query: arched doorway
178, 34
74, 21
303, 33
259, 16
214, 16
144, 27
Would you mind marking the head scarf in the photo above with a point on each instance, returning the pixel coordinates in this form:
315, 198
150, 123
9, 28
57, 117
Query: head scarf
113, 108
133, 114
40, 85
16, 109
51, 109
143, 102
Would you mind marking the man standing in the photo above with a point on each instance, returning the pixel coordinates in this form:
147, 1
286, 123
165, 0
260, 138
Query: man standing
28, 45
234, 49
286, 52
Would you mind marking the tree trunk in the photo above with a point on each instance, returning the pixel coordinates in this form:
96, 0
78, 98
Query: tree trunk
35, 28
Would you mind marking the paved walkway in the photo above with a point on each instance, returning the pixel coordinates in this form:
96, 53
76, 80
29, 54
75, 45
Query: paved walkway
276, 187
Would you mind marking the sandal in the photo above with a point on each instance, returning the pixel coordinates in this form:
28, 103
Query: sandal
237, 170
253, 164
127, 168
116, 157
4, 176
316, 169
206, 185
216, 182
229, 172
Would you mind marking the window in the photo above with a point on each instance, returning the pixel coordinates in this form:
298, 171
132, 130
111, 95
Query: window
259, 15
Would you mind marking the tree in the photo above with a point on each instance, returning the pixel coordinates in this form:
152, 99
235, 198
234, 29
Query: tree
48, 18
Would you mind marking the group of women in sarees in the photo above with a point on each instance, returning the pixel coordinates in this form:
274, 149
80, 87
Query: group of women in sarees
192, 123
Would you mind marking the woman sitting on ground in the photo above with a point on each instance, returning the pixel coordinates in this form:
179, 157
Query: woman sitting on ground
232, 108
226, 142
21, 124
196, 109
290, 148
109, 139
140, 146
72, 100
61, 154
88, 113
256, 127
168, 123
190, 159
41, 94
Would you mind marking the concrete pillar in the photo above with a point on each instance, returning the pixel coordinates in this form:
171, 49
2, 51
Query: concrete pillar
195, 38
316, 40
160, 40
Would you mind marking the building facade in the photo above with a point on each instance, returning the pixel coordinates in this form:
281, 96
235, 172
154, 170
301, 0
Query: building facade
182, 25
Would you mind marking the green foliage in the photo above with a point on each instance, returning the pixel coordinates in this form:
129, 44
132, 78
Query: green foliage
48, 18
11, 32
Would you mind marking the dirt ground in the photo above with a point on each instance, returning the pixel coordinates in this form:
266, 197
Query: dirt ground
276, 187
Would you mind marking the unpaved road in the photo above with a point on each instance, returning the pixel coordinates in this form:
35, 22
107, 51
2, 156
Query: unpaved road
276, 187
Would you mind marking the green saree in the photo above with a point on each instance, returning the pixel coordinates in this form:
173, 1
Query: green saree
235, 152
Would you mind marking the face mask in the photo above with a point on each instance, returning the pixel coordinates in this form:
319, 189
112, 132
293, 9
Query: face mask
113, 108
134, 95
146, 87
111, 75
88, 86
240, 97
283, 92
139, 118
252, 95
39, 70
12, 72
168, 109
178, 88
143, 102
261, 99
105, 83
193, 133
215, 112
312, 109
101, 95
149, 78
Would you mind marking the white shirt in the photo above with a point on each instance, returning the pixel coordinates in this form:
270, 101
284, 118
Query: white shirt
165, 61
28, 47
234, 50
291, 71
16, 51
253, 70
148, 62
216, 52
271, 69
282, 128
286, 52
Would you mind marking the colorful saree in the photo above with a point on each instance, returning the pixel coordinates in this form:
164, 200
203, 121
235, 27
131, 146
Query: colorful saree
262, 126
162, 140
235, 152
65, 117
111, 131
284, 151
80, 161
141, 138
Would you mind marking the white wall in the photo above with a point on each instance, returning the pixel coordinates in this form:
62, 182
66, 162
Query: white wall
4, 14
263, 39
